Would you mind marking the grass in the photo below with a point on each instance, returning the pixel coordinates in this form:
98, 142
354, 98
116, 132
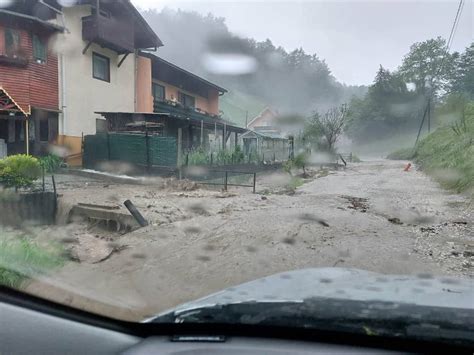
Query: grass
21, 259
447, 154
402, 154
295, 182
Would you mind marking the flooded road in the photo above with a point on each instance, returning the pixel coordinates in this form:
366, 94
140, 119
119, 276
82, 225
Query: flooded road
372, 216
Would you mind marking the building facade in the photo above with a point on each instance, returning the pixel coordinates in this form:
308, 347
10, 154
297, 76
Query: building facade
98, 65
29, 90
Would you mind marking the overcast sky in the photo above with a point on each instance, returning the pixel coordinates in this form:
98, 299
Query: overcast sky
354, 37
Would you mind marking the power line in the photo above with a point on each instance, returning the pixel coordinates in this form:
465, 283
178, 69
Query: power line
448, 46
456, 21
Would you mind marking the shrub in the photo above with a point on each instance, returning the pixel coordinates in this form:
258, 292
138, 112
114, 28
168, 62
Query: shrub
198, 157
19, 171
300, 161
51, 163
287, 166
356, 159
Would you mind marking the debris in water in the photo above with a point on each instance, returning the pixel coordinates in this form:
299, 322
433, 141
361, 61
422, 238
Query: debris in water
395, 220
357, 203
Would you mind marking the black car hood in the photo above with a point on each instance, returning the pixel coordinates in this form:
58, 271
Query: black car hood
343, 284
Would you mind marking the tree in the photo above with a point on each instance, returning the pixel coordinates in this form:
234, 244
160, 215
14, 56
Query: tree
331, 125
312, 132
428, 65
463, 81
389, 106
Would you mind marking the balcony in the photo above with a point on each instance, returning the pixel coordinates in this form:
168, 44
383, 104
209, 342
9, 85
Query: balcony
109, 32
178, 110
13, 60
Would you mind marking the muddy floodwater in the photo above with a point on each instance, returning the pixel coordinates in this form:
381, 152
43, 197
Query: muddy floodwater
371, 215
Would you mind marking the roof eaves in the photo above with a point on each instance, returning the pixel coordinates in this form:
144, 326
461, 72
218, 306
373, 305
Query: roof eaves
155, 57
145, 23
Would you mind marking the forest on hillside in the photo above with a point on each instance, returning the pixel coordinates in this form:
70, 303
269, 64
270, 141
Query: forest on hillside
292, 82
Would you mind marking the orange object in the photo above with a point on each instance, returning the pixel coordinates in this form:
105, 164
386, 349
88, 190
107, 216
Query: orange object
407, 167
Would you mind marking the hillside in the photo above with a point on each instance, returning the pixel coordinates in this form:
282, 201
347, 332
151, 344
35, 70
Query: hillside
293, 82
238, 107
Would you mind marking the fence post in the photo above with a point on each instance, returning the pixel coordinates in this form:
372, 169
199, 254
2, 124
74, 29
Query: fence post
43, 176
82, 150
108, 146
179, 162
263, 158
254, 181
351, 158
187, 159
225, 181
147, 147
212, 154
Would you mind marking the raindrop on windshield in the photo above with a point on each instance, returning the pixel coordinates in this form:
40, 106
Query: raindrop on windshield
67, 3
229, 63
5, 3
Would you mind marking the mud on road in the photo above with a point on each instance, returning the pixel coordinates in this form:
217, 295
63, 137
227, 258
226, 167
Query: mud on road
372, 216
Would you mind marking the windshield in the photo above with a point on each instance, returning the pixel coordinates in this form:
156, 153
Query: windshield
155, 156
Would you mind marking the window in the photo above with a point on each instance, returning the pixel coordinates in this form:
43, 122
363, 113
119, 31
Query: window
158, 92
12, 42
187, 100
39, 50
100, 67
43, 130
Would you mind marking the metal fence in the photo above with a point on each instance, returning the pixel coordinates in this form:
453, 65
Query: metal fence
138, 149
219, 177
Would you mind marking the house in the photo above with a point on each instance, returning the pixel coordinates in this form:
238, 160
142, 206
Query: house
265, 137
268, 117
99, 66
87, 67
29, 101
172, 99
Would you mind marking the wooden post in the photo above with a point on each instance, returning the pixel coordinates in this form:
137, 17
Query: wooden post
178, 160
224, 134
254, 181
215, 136
225, 181
202, 132
236, 136
27, 136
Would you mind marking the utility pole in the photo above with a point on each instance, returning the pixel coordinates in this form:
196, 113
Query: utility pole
429, 114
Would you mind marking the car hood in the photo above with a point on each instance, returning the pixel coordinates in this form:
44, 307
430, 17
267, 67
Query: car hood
343, 284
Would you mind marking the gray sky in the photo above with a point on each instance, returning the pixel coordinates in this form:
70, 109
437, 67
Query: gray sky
354, 37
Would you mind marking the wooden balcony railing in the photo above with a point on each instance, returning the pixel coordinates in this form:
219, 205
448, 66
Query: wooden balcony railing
109, 32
